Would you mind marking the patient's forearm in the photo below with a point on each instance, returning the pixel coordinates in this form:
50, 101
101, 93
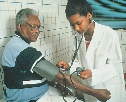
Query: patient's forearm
81, 87
100, 94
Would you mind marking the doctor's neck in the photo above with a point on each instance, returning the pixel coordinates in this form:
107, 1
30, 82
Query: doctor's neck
89, 33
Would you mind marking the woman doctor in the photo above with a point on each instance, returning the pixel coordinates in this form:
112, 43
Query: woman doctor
101, 57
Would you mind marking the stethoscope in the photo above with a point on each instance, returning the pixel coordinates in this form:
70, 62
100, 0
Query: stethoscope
77, 47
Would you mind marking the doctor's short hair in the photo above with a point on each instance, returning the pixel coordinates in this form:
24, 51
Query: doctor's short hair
81, 7
22, 15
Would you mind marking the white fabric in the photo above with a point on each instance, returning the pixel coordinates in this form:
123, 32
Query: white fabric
33, 81
104, 58
53, 95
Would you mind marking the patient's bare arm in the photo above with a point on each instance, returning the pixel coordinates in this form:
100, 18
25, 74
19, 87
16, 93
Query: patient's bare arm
101, 94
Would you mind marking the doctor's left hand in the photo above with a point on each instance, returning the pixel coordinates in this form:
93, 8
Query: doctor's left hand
85, 74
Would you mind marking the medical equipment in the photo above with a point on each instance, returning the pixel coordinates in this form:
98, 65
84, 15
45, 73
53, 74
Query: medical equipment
46, 69
78, 70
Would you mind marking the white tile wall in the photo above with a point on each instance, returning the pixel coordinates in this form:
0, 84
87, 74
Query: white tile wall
55, 41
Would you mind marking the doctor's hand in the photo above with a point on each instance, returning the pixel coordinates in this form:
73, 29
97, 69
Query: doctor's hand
85, 74
62, 64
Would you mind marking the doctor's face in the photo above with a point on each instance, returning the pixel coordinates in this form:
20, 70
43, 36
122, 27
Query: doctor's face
79, 23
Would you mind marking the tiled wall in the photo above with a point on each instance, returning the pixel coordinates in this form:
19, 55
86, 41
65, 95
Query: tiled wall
55, 42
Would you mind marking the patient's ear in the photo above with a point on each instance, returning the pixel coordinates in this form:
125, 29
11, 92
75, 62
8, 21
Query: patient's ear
19, 27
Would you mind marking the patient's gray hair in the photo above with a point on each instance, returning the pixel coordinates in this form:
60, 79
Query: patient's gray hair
22, 15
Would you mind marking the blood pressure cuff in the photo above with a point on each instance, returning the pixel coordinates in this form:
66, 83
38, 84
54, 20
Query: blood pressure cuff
46, 69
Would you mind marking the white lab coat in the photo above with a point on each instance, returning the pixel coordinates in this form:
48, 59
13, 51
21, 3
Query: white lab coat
104, 58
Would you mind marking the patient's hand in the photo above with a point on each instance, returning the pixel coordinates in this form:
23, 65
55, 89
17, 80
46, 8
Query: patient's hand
102, 94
